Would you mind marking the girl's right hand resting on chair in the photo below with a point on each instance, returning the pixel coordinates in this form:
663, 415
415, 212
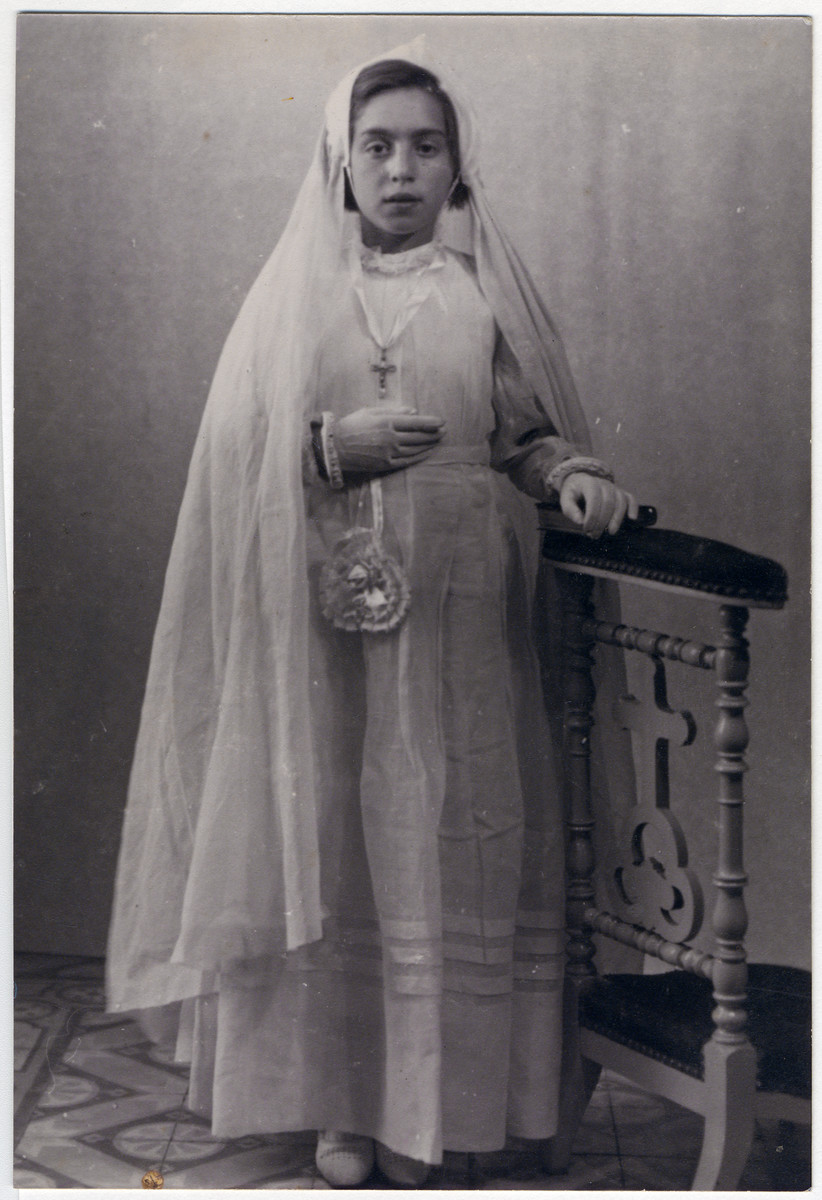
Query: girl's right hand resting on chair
371, 441
595, 504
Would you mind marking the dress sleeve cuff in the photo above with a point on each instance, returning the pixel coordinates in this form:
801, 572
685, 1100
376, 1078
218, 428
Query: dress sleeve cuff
312, 455
570, 466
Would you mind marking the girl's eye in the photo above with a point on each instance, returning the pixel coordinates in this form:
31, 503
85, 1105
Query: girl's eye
377, 149
428, 149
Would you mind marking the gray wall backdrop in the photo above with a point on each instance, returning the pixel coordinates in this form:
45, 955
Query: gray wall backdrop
655, 174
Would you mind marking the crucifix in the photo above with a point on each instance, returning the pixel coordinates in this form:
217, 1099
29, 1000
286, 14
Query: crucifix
384, 368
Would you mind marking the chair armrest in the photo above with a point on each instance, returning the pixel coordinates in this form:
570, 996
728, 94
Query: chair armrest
666, 558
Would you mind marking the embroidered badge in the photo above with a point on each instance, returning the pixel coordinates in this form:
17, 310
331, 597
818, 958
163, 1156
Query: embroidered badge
362, 588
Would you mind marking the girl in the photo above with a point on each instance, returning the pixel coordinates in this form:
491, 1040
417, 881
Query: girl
342, 857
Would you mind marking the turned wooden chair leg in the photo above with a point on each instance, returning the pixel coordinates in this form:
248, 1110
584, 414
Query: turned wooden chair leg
730, 1059
730, 1078
578, 1076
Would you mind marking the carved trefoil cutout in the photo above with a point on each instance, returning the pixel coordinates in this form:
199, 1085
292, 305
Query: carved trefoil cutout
657, 886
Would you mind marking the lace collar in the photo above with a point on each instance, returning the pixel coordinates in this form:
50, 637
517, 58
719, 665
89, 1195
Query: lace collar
418, 259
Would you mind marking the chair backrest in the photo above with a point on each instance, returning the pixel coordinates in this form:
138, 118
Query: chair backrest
663, 904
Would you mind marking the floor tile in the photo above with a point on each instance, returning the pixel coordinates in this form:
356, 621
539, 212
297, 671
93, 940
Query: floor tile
664, 1130
513, 1169
83, 1166
29, 1174
625, 1093
246, 1169
27, 1037
103, 1034
656, 1173
601, 1097
666, 1173
154, 1141
29, 1177
68, 1090
98, 1104
298, 1182
96, 1120
586, 1171
80, 993
598, 1131
780, 1159
41, 1030
130, 1071
595, 1172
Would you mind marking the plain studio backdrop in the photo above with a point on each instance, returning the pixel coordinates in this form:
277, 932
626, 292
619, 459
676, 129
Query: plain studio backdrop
655, 174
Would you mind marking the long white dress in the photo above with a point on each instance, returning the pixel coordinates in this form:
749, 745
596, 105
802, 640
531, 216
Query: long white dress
429, 1015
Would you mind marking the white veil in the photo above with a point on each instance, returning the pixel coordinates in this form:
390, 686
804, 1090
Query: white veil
219, 864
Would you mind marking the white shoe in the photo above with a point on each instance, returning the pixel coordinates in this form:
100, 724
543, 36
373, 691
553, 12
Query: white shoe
344, 1159
400, 1169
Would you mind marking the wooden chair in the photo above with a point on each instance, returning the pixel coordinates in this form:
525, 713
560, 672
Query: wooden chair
724, 1039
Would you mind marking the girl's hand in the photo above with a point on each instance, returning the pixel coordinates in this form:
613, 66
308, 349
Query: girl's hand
375, 440
595, 504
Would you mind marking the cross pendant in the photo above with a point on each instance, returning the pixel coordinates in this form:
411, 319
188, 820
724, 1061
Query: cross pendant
384, 368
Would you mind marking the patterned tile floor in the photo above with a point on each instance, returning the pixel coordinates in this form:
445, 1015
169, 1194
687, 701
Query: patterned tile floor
97, 1105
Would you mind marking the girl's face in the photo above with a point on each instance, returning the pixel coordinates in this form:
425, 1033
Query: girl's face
401, 168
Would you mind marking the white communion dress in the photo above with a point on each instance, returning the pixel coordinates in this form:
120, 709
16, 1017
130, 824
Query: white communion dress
429, 1014
340, 876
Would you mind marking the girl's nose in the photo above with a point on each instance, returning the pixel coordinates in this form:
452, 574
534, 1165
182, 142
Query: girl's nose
402, 165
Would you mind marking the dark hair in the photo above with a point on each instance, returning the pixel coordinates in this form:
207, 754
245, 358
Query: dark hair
388, 76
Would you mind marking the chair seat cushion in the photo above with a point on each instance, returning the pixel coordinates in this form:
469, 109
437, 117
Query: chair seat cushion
668, 1017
